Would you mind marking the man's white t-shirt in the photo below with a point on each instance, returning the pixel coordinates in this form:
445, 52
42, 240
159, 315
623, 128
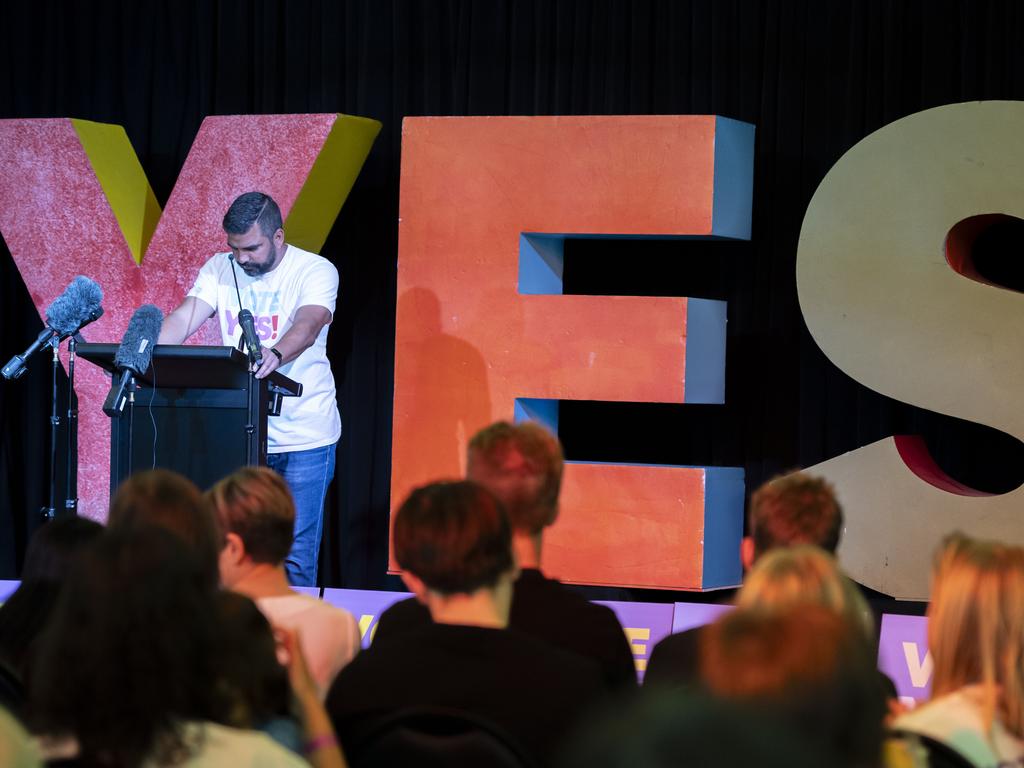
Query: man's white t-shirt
300, 279
328, 635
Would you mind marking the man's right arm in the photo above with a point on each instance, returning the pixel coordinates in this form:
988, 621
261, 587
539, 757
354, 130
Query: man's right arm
184, 321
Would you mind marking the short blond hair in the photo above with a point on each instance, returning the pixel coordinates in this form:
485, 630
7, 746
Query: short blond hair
794, 577
976, 625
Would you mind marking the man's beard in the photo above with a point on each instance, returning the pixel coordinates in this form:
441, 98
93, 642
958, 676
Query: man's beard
254, 270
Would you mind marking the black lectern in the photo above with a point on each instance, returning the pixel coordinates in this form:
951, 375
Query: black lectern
196, 410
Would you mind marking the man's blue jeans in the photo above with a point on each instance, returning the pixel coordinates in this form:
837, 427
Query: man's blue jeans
308, 473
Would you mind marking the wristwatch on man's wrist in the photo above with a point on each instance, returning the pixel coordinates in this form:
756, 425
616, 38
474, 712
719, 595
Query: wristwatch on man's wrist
276, 351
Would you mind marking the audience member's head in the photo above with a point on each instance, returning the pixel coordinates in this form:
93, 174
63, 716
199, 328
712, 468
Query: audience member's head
253, 683
170, 501
666, 729
522, 465
55, 546
257, 516
792, 509
792, 577
51, 553
806, 668
453, 538
131, 651
976, 625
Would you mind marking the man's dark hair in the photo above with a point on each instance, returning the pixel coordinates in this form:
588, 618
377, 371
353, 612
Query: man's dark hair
795, 509
454, 536
250, 208
255, 504
173, 502
522, 465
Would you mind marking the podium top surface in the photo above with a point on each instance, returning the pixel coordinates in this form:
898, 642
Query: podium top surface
187, 366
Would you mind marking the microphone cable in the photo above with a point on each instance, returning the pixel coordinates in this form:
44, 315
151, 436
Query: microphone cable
244, 342
234, 274
152, 418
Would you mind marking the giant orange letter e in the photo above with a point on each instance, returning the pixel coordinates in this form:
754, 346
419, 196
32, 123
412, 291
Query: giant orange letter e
483, 332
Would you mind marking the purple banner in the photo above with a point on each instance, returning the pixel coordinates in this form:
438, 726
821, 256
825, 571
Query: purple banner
366, 605
690, 615
7, 589
311, 591
645, 624
903, 655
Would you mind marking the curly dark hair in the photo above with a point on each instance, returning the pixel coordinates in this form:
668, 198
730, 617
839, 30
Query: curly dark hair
130, 653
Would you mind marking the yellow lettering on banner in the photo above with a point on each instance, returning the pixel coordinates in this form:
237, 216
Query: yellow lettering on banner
638, 633
364, 624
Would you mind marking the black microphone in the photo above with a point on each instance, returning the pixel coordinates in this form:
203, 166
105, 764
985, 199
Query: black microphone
252, 341
245, 319
133, 356
74, 309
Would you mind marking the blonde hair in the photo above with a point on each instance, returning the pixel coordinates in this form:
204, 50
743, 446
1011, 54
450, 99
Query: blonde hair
792, 577
976, 625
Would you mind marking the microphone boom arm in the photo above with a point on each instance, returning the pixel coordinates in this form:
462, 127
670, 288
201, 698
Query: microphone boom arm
16, 365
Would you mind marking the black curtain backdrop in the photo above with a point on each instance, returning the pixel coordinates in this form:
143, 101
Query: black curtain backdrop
814, 77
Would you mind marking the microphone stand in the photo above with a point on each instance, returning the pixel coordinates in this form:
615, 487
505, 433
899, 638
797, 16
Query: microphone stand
249, 426
251, 382
71, 482
130, 408
48, 512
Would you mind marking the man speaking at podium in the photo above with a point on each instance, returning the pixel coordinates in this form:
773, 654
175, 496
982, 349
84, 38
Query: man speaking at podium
291, 294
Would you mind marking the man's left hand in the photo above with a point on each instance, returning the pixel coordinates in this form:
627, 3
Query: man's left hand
269, 365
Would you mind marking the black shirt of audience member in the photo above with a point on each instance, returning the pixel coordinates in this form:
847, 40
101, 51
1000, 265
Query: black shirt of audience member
533, 691
545, 609
675, 661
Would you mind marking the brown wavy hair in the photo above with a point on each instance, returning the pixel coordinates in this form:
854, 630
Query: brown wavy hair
522, 465
795, 509
255, 503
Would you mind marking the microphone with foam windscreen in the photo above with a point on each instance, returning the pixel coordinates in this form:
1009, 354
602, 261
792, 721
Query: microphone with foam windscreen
133, 356
74, 309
